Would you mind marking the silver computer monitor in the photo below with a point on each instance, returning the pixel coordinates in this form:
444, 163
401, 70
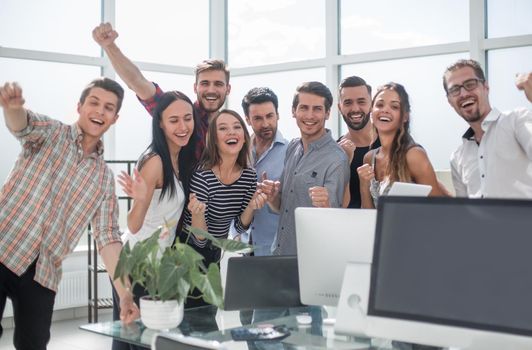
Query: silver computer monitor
453, 272
327, 238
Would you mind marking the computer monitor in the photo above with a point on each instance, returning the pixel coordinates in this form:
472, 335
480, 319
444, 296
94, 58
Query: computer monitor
327, 238
452, 272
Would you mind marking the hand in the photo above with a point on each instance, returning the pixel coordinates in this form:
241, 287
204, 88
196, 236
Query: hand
365, 173
349, 148
269, 188
11, 96
524, 82
258, 200
129, 311
319, 196
104, 35
195, 206
135, 187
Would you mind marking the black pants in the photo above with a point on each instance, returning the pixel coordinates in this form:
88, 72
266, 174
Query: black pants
33, 305
3, 298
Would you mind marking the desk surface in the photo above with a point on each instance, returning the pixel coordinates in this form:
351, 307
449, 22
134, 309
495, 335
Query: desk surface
212, 324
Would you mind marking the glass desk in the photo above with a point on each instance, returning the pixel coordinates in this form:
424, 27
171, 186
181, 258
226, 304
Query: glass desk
209, 323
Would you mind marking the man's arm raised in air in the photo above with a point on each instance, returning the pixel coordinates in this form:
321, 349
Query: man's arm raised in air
105, 36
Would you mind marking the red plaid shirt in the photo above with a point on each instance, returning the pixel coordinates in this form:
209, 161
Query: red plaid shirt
203, 118
49, 198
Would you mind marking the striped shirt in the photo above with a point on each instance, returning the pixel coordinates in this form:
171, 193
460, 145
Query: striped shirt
49, 198
223, 202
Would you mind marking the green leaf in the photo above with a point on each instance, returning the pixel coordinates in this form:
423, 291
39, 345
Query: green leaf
200, 233
210, 285
230, 245
172, 273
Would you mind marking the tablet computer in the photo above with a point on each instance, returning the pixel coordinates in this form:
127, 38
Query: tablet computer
407, 189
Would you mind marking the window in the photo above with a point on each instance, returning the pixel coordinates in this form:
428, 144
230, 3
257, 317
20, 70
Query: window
509, 17
503, 66
164, 31
265, 32
53, 25
383, 25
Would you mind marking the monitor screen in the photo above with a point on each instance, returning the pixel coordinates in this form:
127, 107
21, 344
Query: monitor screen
454, 261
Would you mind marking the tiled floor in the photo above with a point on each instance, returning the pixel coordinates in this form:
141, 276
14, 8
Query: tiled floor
65, 335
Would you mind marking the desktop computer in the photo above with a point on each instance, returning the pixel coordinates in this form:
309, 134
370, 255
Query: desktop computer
451, 272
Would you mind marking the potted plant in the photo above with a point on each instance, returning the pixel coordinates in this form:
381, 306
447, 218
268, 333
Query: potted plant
169, 275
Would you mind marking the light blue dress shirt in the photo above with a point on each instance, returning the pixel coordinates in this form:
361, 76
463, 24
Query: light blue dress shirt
265, 222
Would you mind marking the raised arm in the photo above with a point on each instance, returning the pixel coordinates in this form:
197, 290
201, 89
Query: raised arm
198, 202
365, 174
105, 36
12, 102
140, 187
524, 82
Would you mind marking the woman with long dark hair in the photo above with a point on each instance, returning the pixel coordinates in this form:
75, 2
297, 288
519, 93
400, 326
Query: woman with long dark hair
160, 184
399, 158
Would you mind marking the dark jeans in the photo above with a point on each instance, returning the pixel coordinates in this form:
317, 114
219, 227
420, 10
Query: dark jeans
33, 306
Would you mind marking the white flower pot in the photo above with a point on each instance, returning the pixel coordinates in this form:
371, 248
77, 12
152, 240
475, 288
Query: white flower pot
156, 314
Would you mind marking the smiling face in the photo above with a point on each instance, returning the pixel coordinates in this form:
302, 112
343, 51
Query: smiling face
354, 105
472, 105
97, 113
310, 116
386, 112
230, 136
263, 120
177, 123
211, 89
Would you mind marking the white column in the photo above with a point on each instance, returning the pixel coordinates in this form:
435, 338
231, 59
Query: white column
332, 50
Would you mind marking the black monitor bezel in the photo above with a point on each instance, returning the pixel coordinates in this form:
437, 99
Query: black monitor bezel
373, 311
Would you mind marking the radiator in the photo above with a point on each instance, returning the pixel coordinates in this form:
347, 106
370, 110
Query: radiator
73, 291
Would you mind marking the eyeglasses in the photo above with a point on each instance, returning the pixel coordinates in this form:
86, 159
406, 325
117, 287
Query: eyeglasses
468, 85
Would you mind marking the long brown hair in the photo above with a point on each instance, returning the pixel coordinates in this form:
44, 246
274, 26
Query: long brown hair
402, 141
211, 153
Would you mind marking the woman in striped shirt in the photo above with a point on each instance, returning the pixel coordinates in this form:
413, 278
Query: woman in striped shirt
224, 187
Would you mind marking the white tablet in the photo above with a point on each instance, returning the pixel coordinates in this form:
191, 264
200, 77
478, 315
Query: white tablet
408, 189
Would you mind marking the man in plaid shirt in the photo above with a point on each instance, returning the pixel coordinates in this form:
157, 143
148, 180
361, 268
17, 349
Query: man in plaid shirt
211, 86
59, 184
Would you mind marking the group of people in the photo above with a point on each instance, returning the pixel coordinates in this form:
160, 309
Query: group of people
203, 169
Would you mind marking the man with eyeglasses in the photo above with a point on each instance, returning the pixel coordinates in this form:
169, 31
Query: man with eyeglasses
495, 158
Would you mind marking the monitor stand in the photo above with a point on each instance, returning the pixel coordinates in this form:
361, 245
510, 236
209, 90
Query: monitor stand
353, 303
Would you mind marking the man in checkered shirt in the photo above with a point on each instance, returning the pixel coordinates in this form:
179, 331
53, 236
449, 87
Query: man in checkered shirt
59, 184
